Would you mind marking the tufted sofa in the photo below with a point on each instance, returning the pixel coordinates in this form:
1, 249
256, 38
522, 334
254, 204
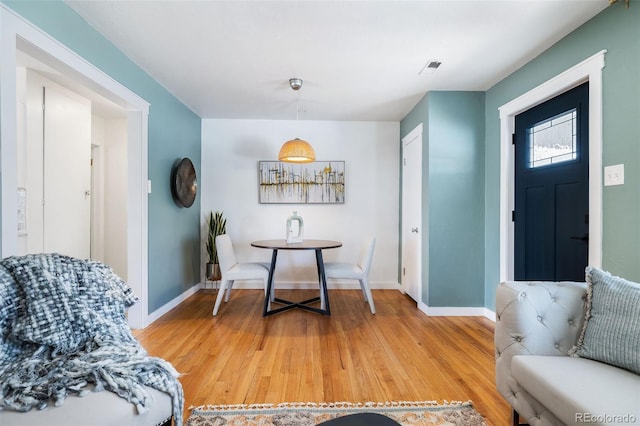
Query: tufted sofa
537, 323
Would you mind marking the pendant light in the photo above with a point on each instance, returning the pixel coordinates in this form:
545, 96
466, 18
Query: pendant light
296, 150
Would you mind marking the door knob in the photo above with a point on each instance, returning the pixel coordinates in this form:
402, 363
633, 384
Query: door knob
414, 230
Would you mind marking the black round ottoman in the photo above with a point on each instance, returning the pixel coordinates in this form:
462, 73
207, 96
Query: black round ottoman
361, 419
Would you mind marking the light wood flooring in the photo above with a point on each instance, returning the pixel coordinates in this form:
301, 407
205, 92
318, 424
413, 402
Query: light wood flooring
399, 354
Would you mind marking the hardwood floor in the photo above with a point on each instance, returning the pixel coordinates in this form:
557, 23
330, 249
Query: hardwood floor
239, 357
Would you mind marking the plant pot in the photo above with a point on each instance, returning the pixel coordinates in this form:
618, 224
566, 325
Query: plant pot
213, 272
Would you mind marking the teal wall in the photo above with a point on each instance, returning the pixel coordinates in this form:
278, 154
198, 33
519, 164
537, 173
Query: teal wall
456, 199
616, 29
450, 263
174, 133
453, 201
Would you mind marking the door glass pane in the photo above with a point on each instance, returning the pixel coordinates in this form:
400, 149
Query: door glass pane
553, 140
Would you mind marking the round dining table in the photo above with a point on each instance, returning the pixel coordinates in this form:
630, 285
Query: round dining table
317, 246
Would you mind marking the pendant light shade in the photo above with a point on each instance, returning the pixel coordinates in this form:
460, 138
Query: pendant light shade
297, 151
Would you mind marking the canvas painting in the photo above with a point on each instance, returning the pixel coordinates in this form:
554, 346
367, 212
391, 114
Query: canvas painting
320, 182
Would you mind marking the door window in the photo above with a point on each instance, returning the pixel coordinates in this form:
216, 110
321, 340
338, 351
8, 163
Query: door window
553, 140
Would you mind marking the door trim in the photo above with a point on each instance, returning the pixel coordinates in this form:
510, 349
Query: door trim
588, 70
416, 133
16, 31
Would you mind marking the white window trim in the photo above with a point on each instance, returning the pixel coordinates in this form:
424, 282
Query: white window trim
588, 70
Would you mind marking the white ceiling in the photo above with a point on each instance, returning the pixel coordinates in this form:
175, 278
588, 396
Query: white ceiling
360, 60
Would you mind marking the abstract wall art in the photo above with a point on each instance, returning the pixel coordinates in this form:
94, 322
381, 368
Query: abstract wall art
320, 182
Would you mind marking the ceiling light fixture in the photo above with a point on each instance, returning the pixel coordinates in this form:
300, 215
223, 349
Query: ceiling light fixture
296, 150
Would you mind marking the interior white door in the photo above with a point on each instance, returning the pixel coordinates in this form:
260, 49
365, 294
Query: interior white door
412, 235
67, 173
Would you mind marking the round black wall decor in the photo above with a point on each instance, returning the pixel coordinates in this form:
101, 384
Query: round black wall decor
184, 184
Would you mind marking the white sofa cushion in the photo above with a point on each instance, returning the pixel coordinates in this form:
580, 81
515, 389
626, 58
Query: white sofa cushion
95, 409
580, 391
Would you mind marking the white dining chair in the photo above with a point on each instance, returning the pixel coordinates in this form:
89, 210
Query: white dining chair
231, 270
358, 271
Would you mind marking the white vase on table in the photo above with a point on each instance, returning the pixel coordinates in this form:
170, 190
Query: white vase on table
295, 229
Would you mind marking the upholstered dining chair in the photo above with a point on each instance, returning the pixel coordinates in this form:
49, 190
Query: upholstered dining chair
231, 270
358, 271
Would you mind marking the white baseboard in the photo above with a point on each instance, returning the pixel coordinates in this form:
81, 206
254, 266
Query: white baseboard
457, 311
331, 285
424, 308
488, 313
153, 316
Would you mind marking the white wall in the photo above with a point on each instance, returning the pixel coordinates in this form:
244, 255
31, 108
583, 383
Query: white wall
115, 227
97, 187
22, 151
109, 139
231, 150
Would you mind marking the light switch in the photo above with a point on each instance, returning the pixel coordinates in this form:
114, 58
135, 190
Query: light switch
149, 186
614, 175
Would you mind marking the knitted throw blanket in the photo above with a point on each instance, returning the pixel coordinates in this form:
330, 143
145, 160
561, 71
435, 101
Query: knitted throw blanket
63, 327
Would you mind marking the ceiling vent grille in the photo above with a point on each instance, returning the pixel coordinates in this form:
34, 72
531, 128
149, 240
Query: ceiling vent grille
431, 66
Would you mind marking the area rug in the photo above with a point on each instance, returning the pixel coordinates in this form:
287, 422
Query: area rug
408, 413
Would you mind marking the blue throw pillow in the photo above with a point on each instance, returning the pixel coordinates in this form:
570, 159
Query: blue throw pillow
611, 332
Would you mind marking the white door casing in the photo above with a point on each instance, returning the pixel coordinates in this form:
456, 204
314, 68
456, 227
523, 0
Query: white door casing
412, 232
588, 70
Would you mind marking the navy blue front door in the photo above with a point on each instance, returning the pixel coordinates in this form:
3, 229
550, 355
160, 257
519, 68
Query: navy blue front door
552, 188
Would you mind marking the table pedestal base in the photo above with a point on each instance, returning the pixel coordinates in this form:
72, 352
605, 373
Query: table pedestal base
302, 305
324, 309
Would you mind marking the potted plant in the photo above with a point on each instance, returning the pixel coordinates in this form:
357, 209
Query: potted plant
217, 225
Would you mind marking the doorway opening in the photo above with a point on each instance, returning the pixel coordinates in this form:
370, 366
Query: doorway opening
551, 215
412, 229
588, 70
20, 40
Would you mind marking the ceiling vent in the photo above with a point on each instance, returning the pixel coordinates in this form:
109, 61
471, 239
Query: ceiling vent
430, 67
